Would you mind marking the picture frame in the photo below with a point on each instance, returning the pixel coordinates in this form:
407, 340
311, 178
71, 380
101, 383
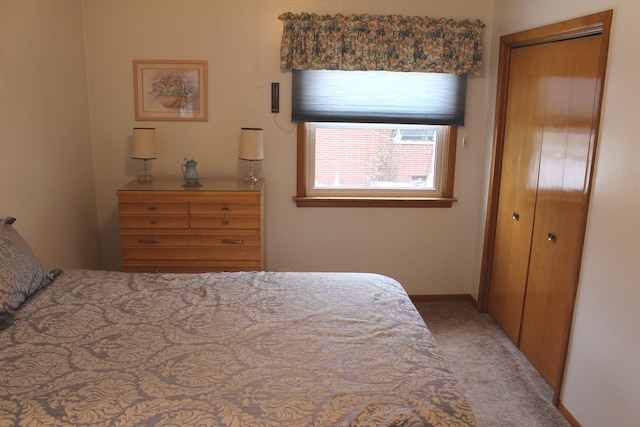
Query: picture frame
170, 90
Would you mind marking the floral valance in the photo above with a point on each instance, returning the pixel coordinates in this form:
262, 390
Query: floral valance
373, 42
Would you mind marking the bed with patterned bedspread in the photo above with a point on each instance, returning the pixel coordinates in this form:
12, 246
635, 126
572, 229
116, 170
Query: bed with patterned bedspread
97, 348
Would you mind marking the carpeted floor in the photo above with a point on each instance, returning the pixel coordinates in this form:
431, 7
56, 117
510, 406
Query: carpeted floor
502, 387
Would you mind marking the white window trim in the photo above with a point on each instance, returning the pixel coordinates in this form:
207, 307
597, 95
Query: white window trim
313, 191
445, 199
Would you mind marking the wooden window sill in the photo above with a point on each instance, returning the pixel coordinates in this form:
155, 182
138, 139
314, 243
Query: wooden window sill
374, 202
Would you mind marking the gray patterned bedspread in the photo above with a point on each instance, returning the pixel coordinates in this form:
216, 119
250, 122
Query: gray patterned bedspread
229, 349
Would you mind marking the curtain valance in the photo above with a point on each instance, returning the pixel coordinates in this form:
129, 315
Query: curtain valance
376, 42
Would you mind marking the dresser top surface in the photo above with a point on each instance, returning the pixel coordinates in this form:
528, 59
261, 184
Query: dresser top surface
231, 184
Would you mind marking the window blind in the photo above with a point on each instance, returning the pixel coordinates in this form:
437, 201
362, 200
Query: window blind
378, 97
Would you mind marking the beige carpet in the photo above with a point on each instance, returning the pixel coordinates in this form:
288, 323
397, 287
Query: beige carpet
502, 387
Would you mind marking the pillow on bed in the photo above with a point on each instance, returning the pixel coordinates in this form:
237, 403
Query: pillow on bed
21, 273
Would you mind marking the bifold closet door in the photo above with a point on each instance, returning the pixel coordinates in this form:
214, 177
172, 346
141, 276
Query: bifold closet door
561, 206
550, 87
518, 188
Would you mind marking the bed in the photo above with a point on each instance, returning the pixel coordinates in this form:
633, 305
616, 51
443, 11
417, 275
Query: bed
99, 348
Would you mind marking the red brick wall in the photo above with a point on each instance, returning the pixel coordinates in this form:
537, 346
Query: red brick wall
357, 157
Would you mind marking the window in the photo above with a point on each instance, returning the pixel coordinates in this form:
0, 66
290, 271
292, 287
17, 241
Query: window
416, 135
352, 149
356, 164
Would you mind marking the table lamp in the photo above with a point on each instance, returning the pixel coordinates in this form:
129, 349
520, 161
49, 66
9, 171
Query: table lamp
144, 147
251, 148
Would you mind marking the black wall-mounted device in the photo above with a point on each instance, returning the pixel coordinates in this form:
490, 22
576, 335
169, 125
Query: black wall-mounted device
275, 97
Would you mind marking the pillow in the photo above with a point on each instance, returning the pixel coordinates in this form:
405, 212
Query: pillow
21, 273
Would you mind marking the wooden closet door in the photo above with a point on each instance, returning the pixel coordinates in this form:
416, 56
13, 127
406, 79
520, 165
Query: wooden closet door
570, 86
519, 181
550, 87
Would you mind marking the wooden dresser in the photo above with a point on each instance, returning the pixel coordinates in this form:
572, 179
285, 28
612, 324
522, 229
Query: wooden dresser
166, 226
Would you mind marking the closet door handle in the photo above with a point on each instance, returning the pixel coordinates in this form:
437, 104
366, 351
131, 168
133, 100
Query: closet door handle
551, 237
515, 216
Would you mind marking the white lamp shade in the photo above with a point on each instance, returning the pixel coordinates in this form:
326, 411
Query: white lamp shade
251, 144
144, 143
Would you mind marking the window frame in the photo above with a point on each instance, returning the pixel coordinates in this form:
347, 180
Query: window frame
446, 200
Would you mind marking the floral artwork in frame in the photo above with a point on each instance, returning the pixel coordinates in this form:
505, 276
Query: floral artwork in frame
170, 90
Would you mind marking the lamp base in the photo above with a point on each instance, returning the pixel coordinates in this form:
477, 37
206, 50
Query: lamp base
251, 180
145, 179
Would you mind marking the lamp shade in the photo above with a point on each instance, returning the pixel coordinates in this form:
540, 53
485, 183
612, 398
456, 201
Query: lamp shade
251, 144
144, 143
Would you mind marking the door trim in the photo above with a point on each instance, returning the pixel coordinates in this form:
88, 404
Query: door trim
598, 23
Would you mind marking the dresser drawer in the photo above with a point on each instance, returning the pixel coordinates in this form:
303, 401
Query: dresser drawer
154, 221
144, 240
222, 222
187, 266
232, 252
155, 208
231, 208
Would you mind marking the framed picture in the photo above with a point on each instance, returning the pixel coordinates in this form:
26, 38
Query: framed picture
170, 90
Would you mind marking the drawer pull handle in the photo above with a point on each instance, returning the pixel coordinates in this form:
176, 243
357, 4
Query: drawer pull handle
148, 241
225, 222
225, 208
153, 221
232, 242
153, 208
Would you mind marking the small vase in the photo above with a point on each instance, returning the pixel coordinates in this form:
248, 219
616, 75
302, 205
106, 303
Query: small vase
190, 172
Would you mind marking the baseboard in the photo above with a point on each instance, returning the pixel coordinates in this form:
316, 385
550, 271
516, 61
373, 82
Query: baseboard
447, 297
568, 416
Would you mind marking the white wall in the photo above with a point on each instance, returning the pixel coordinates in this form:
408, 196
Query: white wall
603, 374
46, 170
430, 251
